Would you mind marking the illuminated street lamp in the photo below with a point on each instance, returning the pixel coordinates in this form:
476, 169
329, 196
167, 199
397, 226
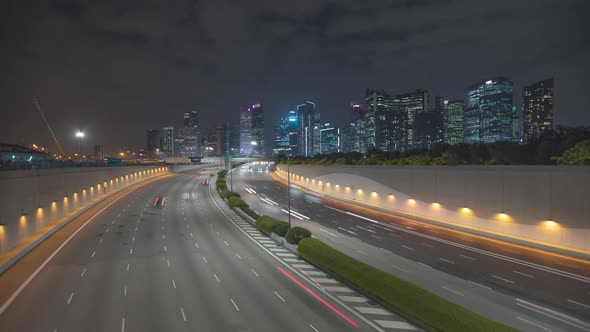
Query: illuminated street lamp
79, 136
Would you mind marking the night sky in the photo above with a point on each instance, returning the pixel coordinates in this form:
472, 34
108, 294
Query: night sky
115, 68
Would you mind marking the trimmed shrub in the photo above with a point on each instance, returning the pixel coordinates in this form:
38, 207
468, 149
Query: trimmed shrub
231, 194
297, 234
237, 202
395, 293
266, 224
280, 229
251, 213
222, 174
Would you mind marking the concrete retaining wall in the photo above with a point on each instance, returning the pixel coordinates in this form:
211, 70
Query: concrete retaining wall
546, 204
32, 199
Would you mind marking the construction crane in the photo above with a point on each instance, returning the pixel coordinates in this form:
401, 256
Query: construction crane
60, 152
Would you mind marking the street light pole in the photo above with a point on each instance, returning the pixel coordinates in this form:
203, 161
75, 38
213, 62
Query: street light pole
289, 188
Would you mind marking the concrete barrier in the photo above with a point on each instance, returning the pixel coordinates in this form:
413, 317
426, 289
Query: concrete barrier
33, 199
546, 205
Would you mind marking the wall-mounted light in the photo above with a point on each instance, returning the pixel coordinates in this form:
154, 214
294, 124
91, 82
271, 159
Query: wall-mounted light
412, 201
436, 205
466, 210
503, 216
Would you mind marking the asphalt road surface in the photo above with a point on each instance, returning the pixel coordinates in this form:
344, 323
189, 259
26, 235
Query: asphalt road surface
524, 287
165, 258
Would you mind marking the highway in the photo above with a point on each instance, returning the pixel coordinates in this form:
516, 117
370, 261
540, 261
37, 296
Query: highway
165, 257
526, 288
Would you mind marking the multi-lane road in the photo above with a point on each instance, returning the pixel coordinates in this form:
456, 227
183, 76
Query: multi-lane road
167, 257
524, 287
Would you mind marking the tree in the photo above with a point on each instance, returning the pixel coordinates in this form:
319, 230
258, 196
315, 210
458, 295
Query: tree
578, 155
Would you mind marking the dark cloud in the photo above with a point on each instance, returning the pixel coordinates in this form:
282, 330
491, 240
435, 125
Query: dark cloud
117, 67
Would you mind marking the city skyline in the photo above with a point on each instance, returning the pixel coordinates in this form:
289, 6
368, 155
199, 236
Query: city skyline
151, 73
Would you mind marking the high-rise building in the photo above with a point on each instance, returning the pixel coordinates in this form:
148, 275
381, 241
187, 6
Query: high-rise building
257, 130
516, 127
411, 104
358, 131
317, 126
305, 132
329, 138
453, 121
537, 109
246, 132
188, 139
168, 141
293, 132
282, 135
232, 138
215, 137
379, 112
489, 113
99, 152
153, 142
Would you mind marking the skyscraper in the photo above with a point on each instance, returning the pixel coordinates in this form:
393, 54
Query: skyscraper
329, 138
189, 136
246, 132
537, 109
317, 126
358, 132
489, 113
281, 135
215, 137
411, 104
453, 121
153, 142
379, 111
305, 132
168, 141
257, 112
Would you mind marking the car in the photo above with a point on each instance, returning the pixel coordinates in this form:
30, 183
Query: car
206, 182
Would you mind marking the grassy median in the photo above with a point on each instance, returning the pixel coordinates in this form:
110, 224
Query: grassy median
399, 295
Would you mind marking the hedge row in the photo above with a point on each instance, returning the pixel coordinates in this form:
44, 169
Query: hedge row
268, 224
399, 295
297, 234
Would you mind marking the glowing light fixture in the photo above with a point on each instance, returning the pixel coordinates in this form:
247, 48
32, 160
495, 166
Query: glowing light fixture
436, 205
412, 201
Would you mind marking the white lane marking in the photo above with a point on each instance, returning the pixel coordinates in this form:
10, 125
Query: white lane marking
168, 262
399, 268
163, 237
446, 260
387, 250
373, 311
452, 290
480, 285
395, 324
70, 298
523, 274
100, 241
125, 291
362, 253
534, 324
218, 234
127, 267
173, 283
293, 214
424, 264
133, 239
123, 324
553, 314
335, 209
408, 247
353, 299
313, 328
503, 279
165, 249
216, 278
484, 252
578, 303
427, 245
470, 258
280, 297
131, 251
346, 230
227, 244
235, 305
238, 255
366, 229
93, 253
377, 237
83, 272
256, 274
196, 244
338, 289
192, 234
183, 315
107, 230
205, 259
